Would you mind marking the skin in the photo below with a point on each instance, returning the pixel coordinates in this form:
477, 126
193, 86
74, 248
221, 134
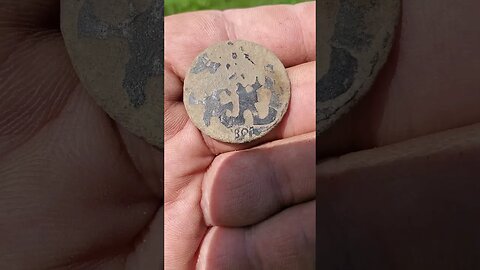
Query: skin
94, 192
79, 192
397, 178
76, 190
248, 206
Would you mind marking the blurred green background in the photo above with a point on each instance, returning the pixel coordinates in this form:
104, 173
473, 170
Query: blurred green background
178, 6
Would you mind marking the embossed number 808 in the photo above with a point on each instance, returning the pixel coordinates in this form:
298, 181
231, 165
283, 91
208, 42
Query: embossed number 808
242, 132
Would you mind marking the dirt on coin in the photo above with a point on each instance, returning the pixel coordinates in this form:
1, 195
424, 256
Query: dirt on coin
236, 91
353, 44
116, 47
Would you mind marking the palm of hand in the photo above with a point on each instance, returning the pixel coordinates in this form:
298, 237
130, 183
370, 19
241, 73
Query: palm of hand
60, 147
71, 180
77, 191
233, 207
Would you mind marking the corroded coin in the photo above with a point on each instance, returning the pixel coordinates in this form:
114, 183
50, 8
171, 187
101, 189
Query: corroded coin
236, 91
116, 47
353, 44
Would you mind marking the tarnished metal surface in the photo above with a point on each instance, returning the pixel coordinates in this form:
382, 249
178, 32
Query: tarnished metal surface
116, 48
355, 38
236, 91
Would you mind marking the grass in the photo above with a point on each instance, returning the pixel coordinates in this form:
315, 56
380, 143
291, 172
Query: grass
178, 6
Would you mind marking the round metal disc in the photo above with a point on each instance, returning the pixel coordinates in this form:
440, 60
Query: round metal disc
236, 91
116, 47
355, 38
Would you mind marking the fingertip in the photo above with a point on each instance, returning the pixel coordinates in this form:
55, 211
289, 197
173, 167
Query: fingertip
224, 248
204, 250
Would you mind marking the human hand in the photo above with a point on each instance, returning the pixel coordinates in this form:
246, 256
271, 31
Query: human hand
398, 176
76, 190
429, 84
241, 206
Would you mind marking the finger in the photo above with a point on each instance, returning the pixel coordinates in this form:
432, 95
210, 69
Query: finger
394, 199
243, 188
299, 119
176, 116
453, 142
184, 226
287, 241
287, 30
423, 86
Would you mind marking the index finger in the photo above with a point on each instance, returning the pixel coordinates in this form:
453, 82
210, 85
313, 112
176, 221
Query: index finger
287, 30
